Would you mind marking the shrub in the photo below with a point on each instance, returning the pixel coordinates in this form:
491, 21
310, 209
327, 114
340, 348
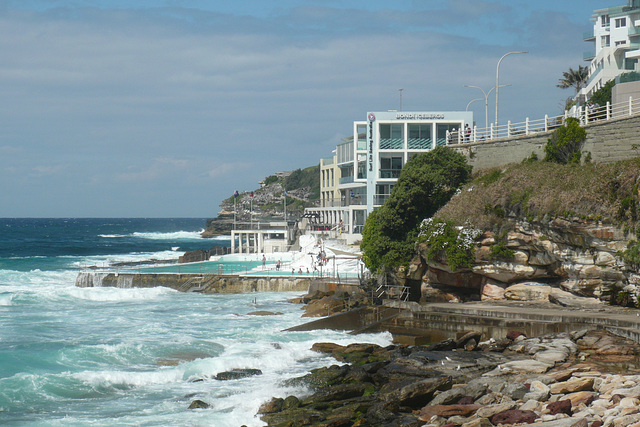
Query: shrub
447, 243
565, 144
426, 183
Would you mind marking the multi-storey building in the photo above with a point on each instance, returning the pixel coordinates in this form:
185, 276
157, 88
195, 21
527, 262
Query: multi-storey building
368, 163
616, 39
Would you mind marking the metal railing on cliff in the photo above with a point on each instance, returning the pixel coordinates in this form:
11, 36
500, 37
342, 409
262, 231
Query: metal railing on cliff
586, 114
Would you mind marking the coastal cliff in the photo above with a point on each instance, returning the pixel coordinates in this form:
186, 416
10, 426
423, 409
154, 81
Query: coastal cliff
541, 232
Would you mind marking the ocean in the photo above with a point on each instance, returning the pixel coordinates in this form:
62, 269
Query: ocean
136, 357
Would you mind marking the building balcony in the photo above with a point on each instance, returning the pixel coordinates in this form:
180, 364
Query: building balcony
379, 199
389, 173
419, 143
588, 56
634, 32
346, 180
588, 36
391, 143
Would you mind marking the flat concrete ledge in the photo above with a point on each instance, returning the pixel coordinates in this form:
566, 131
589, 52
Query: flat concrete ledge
496, 319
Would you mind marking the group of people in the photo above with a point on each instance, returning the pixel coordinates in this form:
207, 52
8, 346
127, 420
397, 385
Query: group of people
453, 135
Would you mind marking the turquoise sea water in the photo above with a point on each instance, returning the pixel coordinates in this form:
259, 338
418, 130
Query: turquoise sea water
134, 357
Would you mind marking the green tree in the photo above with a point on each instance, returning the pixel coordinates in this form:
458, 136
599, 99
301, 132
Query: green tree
603, 95
574, 78
427, 182
565, 144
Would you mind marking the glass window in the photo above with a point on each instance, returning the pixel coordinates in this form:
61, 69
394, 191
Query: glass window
390, 167
604, 20
362, 166
442, 129
391, 136
361, 130
621, 22
419, 136
605, 41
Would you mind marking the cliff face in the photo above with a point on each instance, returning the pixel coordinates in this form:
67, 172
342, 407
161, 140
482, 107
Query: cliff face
575, 256
526, 252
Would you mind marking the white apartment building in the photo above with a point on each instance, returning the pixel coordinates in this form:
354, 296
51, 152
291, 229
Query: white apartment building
368, 163
616, 39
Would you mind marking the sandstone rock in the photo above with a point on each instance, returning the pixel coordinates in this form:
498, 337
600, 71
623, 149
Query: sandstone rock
527, 292
447, 411
572, 385
538, 392
515, 366
462, 279
492, 291
478, 422
324, 307
581, 398
264, 313
491, 410
509, 272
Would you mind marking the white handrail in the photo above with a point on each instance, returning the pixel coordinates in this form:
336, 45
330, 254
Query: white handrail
586, 115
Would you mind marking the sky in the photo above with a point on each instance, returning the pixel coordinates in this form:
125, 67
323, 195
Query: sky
162, 108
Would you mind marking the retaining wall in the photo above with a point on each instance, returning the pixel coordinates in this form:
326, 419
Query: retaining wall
207, 283
607, 141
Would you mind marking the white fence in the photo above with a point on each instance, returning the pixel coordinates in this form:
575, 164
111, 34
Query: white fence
586, 115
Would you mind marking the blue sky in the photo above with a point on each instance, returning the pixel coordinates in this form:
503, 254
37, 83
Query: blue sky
163, 108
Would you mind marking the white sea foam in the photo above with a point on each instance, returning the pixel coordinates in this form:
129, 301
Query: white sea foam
109, 260
176, 235
6, 299
118, 294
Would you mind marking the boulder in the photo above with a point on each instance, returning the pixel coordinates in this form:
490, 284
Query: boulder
237, 374
447, 411
528, 292
572, 385
199, 404
492, 291
560, 407
514, 416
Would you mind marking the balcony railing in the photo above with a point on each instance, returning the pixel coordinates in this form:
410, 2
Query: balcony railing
391, 143
346, 180
379, 199
589, 55
588, 35
389, 173
419, 143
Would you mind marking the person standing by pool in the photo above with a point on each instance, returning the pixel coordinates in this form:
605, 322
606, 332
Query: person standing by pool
264, 261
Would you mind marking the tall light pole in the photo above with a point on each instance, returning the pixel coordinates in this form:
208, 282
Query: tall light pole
471, 102
486, 102
498, 80
400, 90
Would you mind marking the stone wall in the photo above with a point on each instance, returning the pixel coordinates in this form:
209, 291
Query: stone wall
207, 284
608, 141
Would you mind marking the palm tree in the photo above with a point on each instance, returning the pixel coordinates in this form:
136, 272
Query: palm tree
574, 78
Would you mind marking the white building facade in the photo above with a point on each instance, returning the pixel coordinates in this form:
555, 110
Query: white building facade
370, 161
616, 39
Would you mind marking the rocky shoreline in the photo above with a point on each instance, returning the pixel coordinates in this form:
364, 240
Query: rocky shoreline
584, 378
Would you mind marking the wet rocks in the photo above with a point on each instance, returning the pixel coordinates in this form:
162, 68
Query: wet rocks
419, 386
237, 374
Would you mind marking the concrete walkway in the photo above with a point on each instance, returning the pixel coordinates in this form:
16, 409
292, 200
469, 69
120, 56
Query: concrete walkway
535, 318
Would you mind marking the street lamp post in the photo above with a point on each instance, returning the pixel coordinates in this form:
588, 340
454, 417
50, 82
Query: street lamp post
486, 102
471, 102
498, 80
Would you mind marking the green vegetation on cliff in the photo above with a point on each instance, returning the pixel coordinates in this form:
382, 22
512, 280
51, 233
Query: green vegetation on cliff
426, 183
533, 190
